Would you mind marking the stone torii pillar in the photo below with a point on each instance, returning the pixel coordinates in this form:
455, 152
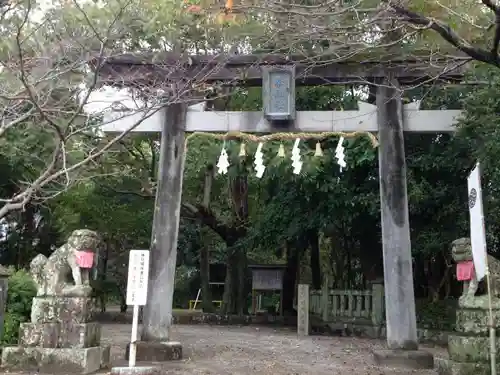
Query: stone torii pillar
401, 327
156, 342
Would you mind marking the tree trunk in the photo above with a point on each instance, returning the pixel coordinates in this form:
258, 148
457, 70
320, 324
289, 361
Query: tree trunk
123, 303
206, 293
234, 297
27, 232
235, 284
228, 300
315, 259
102, 270
241, 290
370, 254
290, 278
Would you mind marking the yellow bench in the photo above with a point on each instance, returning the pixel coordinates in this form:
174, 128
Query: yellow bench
217, 304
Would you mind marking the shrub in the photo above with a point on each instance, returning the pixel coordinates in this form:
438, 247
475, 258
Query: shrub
438, 315
184, 275
18, 310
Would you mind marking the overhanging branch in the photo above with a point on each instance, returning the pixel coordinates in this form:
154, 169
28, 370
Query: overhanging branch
206, 216
496, 39
448, 34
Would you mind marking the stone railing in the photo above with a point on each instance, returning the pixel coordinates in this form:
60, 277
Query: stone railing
332, 304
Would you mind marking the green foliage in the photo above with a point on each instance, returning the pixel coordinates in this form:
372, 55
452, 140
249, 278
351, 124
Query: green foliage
21, 291
183, 277
437, 315
479, 135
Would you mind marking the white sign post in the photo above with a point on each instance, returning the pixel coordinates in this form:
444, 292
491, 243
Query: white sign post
137, 292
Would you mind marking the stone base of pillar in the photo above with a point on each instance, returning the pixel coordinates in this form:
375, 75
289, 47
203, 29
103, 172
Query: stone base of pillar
411, 359
154, 351
137, 370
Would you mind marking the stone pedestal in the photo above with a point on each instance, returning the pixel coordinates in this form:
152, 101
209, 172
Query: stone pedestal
469, 346
303, 310
60, 338
61, 309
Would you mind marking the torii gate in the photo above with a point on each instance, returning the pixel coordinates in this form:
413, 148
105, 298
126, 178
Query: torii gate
388, 117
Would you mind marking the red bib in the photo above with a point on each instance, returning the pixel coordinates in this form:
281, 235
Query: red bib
85, 259
465, 271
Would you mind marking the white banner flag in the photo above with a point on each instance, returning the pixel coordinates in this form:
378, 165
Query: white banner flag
477, 230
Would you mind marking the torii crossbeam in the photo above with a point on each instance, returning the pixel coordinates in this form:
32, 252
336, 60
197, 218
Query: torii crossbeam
364, 120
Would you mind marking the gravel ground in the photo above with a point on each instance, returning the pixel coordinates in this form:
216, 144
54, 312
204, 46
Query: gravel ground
257, 350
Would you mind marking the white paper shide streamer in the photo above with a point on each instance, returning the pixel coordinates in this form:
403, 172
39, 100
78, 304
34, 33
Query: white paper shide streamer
296, 162
259, 161
223, 162
340, 155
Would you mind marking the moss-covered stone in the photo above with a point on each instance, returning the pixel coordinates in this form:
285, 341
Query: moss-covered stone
470, 348
56, 360
61, 310
82, 335
60, 335
450, 367
475, 321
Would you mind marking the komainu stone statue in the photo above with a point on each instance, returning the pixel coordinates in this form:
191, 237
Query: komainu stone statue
63, 336
74, 260
461, 252
469, 344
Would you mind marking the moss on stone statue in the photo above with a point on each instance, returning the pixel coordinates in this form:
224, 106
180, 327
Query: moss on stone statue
56, 360
449, 367
475, 321
61, 309
19, 359
470, 348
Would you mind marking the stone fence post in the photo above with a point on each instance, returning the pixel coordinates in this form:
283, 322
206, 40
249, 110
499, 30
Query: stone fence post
303, 310
4, 283
378, 303
325, 308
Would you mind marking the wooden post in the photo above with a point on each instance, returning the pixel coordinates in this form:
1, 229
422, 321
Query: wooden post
398, 272
157, 319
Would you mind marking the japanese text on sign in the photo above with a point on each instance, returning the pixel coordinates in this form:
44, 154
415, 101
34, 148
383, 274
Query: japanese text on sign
138, 272
280, 92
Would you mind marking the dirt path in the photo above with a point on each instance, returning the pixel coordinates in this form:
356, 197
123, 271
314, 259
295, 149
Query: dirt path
256, 350
251, 350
